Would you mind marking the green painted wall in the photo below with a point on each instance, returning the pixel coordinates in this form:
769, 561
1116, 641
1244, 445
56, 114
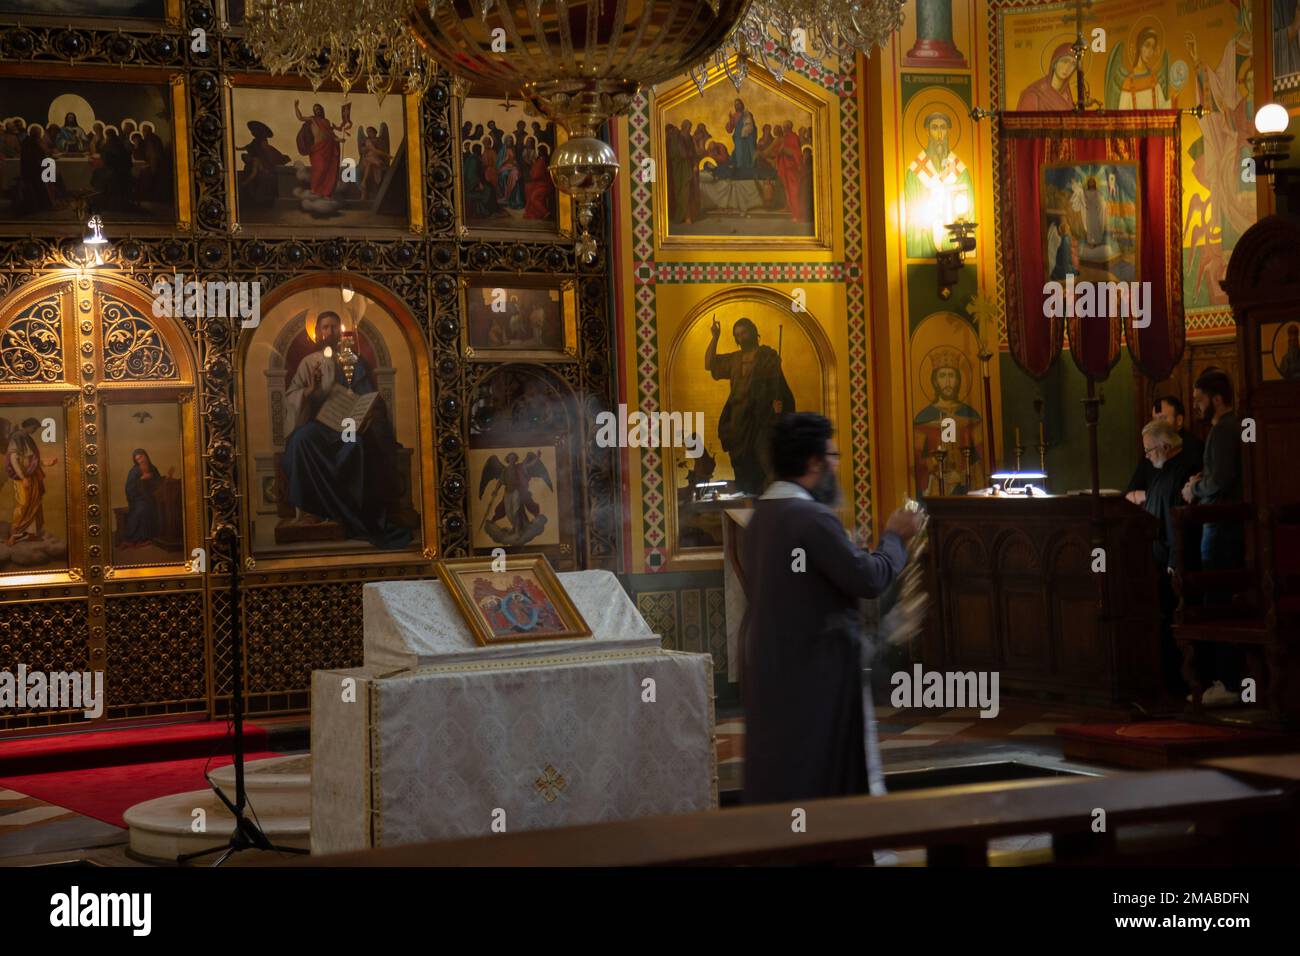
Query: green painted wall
1062, 391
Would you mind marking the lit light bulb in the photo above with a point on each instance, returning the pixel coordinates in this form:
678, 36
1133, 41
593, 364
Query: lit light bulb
348, 291
1272, 118
329, 352
961, 204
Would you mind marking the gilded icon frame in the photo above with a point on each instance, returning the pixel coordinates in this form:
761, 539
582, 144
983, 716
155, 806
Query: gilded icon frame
563, 203
177, 99
449, 571
415, 225
568, 316
821, 238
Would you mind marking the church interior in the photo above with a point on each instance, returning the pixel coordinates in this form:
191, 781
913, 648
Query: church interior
406, 409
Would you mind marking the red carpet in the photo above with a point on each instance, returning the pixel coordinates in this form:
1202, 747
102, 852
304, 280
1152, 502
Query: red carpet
104, 748
1166, 743
105, 793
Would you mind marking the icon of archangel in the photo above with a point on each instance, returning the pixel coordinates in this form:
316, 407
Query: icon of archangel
513, 516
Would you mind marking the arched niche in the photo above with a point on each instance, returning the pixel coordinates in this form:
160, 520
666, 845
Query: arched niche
524, 462
108, 485
301, 507
807, 363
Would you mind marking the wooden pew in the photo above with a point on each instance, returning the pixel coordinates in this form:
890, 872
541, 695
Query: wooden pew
1250, 817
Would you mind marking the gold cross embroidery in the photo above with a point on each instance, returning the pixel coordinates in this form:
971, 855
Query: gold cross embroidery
550, 783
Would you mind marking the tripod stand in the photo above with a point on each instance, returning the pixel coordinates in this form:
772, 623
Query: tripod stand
247, 835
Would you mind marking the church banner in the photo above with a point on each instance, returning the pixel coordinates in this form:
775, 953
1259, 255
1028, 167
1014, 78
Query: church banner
1090, 239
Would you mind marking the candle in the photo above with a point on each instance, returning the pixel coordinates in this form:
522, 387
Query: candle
1017, 436
329, 352
1042, 435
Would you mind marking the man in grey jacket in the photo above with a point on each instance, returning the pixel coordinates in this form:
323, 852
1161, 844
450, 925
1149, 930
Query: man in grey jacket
801, 676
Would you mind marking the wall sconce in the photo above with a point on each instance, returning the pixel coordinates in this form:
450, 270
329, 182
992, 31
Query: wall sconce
1271, 144
94, 243
961, 236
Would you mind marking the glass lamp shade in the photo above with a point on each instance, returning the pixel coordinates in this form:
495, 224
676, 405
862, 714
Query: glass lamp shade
1272, 118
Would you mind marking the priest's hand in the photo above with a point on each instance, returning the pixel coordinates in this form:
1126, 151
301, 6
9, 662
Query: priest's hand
1189, 491
1137, 497
903, 523
715, 329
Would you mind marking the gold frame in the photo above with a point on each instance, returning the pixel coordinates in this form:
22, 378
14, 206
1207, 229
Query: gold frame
414, 163
448, 570
564, 205
695, 559
568, 313
790, 89
84, 406
179, 101
171, 17
421, 551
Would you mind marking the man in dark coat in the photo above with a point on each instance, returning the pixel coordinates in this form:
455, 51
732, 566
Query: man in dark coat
759, 393
801, 670
1170, 409
1171, 466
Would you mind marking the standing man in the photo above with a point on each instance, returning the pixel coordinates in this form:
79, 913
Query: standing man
1219, 481
1169, 409
1171, 467
759, 393
801, 677
316, 141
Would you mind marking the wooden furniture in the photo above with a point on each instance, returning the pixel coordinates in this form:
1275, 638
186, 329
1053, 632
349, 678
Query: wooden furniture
1263, 285
1013, 590
1243, 813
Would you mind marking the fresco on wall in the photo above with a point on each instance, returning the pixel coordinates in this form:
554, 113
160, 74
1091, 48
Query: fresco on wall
740, 363
1159, 55
108, 9
947, 428
938, 186
332, 423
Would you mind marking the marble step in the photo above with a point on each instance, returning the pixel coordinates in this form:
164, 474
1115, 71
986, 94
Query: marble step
278, 788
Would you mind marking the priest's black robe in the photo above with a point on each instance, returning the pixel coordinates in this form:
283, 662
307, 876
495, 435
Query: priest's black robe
801, 676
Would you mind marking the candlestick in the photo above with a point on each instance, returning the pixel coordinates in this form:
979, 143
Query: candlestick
347, 357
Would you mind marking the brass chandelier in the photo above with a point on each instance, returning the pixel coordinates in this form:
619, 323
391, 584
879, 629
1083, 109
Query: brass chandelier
577, 62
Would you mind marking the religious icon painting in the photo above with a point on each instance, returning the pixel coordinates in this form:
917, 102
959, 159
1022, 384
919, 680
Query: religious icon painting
1090, 221
518, 317
741, 169
231, 13
99, 142
947, 429
505, 189
322, 161
34, 501
516, 598
938, 185
515, 500
1280, 351
145, 476
103, 13
740, 359
335, 392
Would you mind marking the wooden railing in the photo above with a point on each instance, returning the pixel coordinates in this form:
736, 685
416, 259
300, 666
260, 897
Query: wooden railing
1235, 811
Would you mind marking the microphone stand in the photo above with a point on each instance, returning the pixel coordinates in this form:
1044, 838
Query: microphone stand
247, 835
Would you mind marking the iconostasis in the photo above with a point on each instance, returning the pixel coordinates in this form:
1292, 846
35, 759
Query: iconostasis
418, 245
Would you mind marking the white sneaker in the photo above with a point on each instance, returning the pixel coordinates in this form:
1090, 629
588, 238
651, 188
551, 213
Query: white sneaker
1216, 695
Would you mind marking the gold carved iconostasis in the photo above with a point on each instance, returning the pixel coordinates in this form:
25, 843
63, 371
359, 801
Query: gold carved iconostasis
395, 290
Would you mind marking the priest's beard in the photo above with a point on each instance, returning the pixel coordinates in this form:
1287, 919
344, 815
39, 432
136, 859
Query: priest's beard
937, 150
827, 489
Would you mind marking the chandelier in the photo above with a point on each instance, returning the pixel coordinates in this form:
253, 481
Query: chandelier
331, 42
776, 33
